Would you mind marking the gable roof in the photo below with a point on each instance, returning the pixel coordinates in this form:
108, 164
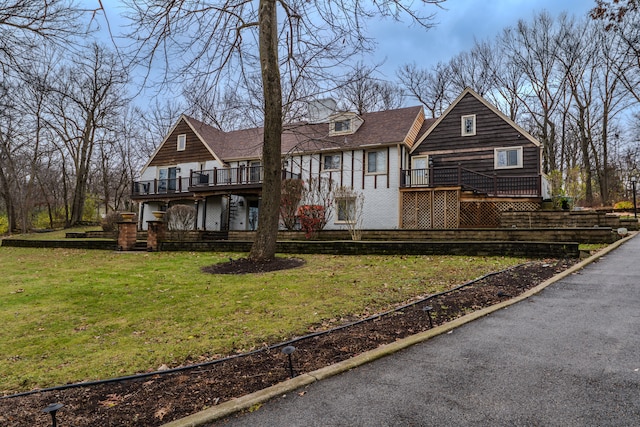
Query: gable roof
469, 91
197, 127
379, 129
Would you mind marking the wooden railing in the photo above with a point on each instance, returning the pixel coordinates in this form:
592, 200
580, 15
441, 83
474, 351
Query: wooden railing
492, 185
200, 180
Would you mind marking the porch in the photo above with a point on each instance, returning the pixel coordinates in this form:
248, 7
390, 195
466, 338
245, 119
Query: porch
223, 180
468, 180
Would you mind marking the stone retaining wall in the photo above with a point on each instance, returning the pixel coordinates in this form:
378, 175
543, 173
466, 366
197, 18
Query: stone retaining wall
522, 249
565, 219
580, 235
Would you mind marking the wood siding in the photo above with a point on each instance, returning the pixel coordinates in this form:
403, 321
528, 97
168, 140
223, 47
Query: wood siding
447, 148
195, 150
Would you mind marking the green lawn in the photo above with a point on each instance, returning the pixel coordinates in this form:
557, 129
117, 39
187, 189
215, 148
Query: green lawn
74, 315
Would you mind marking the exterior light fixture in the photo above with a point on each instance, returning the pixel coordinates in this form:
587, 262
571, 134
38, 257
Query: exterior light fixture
52, 409
288, 350
427, 309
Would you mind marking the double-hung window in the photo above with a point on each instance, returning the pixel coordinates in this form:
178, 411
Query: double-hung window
182, 142
346, 208
376, 162
468, 125
508, 158
331, 162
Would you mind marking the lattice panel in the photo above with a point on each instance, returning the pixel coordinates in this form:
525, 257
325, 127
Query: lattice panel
479, 215
452, 218
518, 206
430, 209
425, 207
409, 208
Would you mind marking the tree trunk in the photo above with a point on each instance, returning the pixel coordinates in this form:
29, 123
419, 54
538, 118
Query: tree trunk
264, 245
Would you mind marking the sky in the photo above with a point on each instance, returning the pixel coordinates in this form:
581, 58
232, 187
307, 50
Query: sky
457, 24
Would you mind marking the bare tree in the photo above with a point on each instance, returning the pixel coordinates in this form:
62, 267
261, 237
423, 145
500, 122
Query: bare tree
533, 48
87, 99
430, 87
362, 92
26, 24
235, 38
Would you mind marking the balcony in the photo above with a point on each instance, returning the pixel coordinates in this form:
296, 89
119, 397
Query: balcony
491, 185
217, 179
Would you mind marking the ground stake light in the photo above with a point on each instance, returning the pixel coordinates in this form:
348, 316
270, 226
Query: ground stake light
427, 309
288, 350
52, 409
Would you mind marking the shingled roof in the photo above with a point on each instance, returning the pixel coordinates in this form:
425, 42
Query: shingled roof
379, 129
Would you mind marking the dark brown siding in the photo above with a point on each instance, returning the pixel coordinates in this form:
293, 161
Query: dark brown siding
195, 151
476, 152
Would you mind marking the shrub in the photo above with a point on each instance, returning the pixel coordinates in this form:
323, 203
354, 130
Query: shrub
624, 205
110, 221
4, 224
291, 195
181, 218
312, 219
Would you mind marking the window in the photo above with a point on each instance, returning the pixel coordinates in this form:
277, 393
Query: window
255, 171
331, 162
167, 179
346, 209
376, 162
182, 142
508, 158
469, 125
342, 126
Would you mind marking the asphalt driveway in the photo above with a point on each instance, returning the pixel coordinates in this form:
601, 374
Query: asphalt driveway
568, 356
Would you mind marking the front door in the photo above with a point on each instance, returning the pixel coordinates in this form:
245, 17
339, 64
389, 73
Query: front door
167, 179
172, 179
254, 209
420, 171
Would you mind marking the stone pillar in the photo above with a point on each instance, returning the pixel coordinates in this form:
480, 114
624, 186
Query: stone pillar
126, 235
155, 235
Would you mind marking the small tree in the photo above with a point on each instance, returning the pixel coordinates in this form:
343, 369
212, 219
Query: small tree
181, 218
290, 197
349, 204
319, 191
312, 218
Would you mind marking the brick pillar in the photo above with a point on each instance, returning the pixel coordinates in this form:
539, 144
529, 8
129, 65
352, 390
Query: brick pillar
126, 235
155, 235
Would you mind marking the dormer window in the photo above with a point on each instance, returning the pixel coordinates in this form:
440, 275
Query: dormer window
469, 125
342, 126
182, 142
345, 123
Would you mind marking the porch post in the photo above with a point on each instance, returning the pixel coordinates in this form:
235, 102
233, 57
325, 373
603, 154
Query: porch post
126, 235
155, 235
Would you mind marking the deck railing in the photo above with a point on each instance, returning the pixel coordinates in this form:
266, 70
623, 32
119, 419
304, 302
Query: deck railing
492, 185
205, 179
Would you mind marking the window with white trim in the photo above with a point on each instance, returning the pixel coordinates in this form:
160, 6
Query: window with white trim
508, 158
376, 162
468, 125
342, 126
182, 142
346, 209
331, 162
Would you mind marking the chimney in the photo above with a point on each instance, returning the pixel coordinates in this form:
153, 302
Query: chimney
319, 110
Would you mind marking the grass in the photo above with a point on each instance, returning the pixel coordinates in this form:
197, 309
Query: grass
55, 234
75, 315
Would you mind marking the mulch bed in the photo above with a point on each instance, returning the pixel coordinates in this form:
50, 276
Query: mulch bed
160, 398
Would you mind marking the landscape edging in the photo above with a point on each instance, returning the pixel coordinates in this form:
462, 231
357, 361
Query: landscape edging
245, 402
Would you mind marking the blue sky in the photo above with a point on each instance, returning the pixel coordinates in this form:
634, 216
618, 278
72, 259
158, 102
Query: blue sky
457, 25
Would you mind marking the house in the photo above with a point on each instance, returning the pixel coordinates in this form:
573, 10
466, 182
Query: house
457, 171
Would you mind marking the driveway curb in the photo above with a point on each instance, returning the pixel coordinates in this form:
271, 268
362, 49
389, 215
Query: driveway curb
246, 402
